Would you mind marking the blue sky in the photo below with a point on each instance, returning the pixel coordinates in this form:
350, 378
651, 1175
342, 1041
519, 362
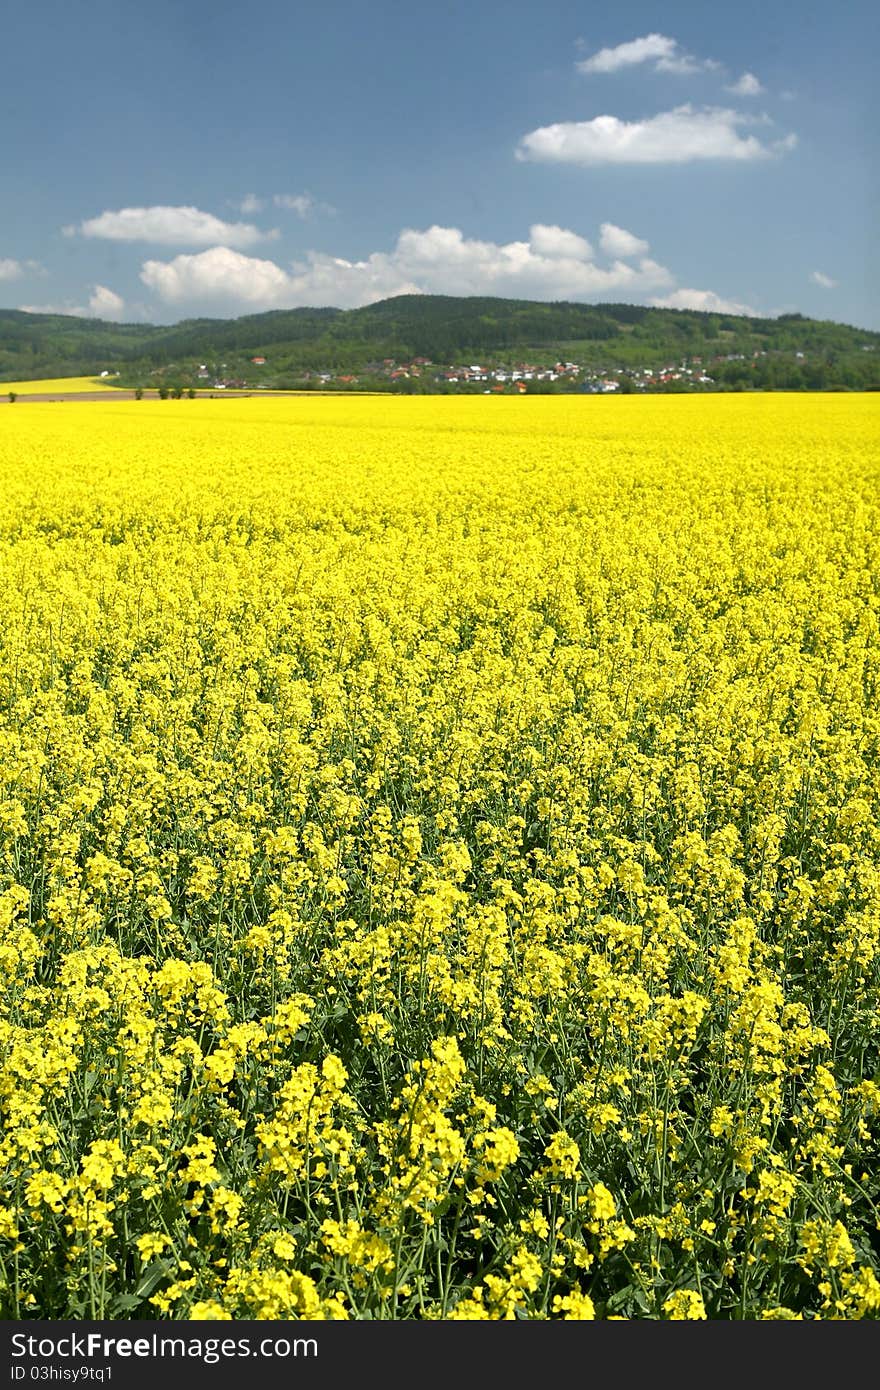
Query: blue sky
165, 161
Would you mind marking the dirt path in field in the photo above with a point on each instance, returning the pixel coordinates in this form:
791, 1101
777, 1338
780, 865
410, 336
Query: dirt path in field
31, 397
25, 398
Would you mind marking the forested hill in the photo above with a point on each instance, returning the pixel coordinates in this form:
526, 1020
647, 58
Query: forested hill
440, 328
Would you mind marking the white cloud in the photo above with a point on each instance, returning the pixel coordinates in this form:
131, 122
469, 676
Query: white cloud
103, 304
300, 203
303, 204
77, 310
683, 64
172, 226
106, 304
216, 274
616, 241
554, 264
665, 54
705, 300
226, 277
672, 137
746, 86
557, 241
825, 281
652, 46
16, 270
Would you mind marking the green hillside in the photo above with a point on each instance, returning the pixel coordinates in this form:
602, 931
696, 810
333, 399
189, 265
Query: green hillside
792, 351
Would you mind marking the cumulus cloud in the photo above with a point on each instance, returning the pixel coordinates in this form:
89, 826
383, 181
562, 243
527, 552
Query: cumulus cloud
219, 273
672, 137
555, 263
705, 300
68, 308
616, 241
249, 204
746, 86
664, 55
102, 304
624, 55
16, 270
106, 304
171, 226
557, 241
824, 281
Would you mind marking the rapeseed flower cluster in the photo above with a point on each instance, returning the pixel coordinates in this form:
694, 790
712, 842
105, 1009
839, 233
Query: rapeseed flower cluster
439, 859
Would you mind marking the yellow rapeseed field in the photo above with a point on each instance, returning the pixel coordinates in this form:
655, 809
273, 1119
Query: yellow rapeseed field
66, 384
440, 858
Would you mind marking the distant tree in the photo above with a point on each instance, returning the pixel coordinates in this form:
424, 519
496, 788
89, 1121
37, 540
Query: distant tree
163, 393
191, 393
139, 393
13, 395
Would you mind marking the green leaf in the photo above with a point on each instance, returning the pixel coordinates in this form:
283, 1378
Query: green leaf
153, 1275
125, 1303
